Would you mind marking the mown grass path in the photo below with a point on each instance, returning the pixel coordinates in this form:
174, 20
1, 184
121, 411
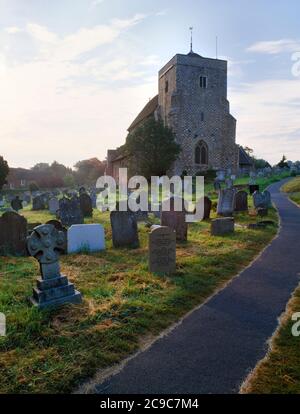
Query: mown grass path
216, 346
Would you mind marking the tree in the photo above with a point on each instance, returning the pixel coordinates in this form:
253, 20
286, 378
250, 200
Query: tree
88, 171
4, 170
260, 163
282, 163
69, 180
151, 149
33, 186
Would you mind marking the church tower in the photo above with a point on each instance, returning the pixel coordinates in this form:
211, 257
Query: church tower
192, 100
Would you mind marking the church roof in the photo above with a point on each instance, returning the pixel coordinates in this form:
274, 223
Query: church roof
193, 54
145, 113
244, 158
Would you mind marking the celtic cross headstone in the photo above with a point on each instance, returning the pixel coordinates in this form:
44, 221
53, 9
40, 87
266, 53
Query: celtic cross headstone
45, 244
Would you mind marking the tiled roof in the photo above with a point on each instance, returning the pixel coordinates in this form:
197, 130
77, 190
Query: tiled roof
147, 111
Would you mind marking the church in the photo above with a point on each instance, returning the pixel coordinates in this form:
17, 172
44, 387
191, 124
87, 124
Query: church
192, 101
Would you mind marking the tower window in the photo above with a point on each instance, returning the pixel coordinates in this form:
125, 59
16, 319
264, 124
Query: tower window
202, 116
166, 86
201, 153
203, 82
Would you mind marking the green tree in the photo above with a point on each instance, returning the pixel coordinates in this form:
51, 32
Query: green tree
33, 186
88, 171
151, 149
282, 163
69, 180
4, 170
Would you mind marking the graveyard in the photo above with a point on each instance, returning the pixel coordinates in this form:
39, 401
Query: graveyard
124, 303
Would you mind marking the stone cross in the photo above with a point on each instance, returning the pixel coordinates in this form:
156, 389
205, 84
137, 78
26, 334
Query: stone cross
45, 244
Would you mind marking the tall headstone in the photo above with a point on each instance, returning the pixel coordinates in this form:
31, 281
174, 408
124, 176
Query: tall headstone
175, 219
13, 233
16, 204
162, 250
86, 238
262, 200
70, 211
38, 203
222, 226
86, 205
53, 205
226, 202
124, 229
241, 201
53, 289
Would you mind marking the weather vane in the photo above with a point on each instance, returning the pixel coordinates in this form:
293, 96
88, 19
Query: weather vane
191, 30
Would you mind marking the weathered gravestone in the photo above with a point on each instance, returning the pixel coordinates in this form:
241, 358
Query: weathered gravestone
206, 207
57, 224
38, 203
86, 205
226, 202
53, 205
93, 196
86, 238
222, 226
262, 200
53, 289
124, 229
13, 233
241, 201
217, 185
175, 219
162, 250
70, 211
16, 204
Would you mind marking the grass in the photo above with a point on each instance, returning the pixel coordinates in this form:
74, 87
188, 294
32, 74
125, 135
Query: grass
279, 373
52, 351
293, 188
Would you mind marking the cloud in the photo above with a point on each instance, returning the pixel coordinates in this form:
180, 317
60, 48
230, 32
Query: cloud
268, 117
12, 30
273, 47
96, 3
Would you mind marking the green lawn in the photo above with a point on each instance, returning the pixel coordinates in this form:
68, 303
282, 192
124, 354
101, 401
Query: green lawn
293, 188
54, 350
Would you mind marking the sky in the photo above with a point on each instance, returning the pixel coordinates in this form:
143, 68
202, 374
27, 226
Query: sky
75, 73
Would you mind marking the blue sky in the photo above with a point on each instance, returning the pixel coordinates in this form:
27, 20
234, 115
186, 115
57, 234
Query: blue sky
74, 73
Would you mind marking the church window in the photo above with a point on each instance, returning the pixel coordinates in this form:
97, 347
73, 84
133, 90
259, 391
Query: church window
166, 86
202, 116
203, 82
201, 153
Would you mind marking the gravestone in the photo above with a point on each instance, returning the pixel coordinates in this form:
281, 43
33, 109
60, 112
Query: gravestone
222, 226
124, 229
53, 205
175, 219
86, 205
253, 188
16, 204
86, 238
241, 201
162, 250
38, 203
93, 196
217, 185
226, 202
53, 289
229, 182
13, 233
262, 200
70, 211
57, 224
27, 197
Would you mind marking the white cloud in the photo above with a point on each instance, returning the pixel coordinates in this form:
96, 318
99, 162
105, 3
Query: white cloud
268, 114
96, 3
273, 47
12, 30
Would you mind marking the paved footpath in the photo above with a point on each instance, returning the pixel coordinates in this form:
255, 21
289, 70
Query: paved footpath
216, 346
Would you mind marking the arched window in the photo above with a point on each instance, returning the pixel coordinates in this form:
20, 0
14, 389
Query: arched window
201, 153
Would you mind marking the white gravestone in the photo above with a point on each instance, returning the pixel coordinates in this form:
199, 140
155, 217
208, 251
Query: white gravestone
86, 238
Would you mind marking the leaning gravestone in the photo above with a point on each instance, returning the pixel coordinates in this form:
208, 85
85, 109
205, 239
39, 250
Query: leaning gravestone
86, 238
38, 203
241, 201
70, 211
222, 226
53, 289
162, 250
226, 202
124, 229
53, 205
13, 233
86, 205
16, 204
175, 219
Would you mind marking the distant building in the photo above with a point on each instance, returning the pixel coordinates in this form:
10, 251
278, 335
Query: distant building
192, 100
